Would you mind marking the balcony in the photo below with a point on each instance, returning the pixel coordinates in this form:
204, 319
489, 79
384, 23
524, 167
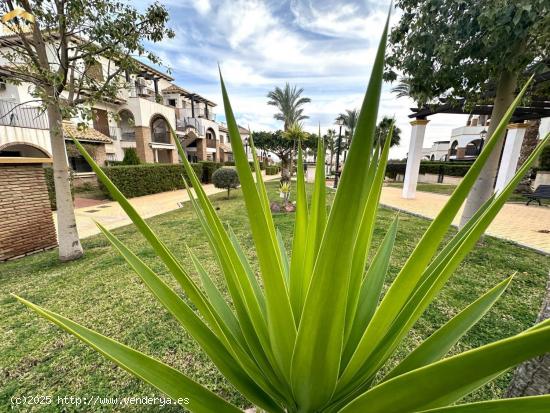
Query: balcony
13, 114
128, 135
187, 122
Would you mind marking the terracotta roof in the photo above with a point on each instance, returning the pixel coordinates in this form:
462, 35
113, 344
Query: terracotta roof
176, 89
223, 128
243, 130
226, 147
85, 135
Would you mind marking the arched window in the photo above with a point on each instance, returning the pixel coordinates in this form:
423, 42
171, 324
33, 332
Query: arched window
210, 134
452, 151
159, 130
473, 148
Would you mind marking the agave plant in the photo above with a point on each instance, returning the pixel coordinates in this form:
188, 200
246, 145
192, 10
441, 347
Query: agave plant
314, 332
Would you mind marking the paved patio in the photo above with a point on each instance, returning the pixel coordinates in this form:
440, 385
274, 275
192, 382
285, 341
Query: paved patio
525, 225
111, 215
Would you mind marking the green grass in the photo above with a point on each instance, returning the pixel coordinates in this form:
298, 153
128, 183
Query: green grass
447, 189
101, 292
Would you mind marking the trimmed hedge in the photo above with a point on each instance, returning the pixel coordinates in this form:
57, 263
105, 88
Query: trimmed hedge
271, 170
208, 168
544, 159
139, 180
436, 168
229, 163
48, 175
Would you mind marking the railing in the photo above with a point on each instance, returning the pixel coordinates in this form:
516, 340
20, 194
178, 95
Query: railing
161, 137
210, 143
184, 123
471, 150
14, 114
128, 135
113, 132
199, 113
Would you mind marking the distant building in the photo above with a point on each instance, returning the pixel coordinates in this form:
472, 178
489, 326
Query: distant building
439, 151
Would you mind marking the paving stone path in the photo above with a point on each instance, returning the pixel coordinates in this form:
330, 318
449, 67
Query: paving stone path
525, 225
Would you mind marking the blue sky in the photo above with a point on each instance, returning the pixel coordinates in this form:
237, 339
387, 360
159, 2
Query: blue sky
326, 47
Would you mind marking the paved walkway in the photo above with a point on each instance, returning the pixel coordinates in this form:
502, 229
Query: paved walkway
111, 215
525, 225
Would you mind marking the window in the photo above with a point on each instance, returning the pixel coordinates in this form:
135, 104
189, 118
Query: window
79, 164
172, 102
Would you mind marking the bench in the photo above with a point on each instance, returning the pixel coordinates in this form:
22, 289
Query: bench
542, 192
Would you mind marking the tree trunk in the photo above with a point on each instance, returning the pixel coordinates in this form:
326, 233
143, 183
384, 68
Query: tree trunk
67, 233
484, 186
532, 377
530, 141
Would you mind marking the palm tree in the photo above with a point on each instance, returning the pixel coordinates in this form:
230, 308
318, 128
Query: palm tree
289, 102
350, 118
382, 130
330, 143
405, 89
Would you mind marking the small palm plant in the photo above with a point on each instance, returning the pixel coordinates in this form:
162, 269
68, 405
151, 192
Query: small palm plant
317, 331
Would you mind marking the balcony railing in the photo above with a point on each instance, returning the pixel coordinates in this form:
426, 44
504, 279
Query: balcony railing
184, 123
23, 116
128, 135
199, 113
113, 132
161, 137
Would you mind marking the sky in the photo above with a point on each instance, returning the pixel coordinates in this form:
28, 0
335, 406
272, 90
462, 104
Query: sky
325, 47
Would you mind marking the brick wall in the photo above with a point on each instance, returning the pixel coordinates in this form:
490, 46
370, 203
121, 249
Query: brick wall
26, 219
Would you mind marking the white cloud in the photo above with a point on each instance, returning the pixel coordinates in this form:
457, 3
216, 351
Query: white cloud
326, 47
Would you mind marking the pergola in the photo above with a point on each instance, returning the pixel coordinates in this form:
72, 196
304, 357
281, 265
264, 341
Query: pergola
539, 107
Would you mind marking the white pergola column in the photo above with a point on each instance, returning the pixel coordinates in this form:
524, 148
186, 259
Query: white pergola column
510, 154
414, 157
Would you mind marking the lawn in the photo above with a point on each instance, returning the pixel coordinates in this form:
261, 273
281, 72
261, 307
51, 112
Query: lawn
100, 291
447, 189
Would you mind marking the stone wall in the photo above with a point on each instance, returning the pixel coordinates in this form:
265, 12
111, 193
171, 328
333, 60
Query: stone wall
27, 223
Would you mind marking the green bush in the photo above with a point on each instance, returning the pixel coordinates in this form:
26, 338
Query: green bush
48, 175
229, 163
251, 163
271, 170
131, 157
139, 180
208, 168
445, 168
544, 160
225, 178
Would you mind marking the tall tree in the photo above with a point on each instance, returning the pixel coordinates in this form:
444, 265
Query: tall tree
470, 50
405, 89
382, 130
330, 143
290, 102
273, 142
350, 120
74, 54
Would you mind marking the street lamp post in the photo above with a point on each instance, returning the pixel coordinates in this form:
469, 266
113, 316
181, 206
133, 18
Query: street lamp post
339, 122
246, 147
482, 136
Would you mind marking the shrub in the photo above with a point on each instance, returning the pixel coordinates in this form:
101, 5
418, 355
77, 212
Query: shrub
48, 175
445, 168
208, 168
271, 170
146, 179
318, 331
229, 163
225, 178
252, 168
544, 160
130, 157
